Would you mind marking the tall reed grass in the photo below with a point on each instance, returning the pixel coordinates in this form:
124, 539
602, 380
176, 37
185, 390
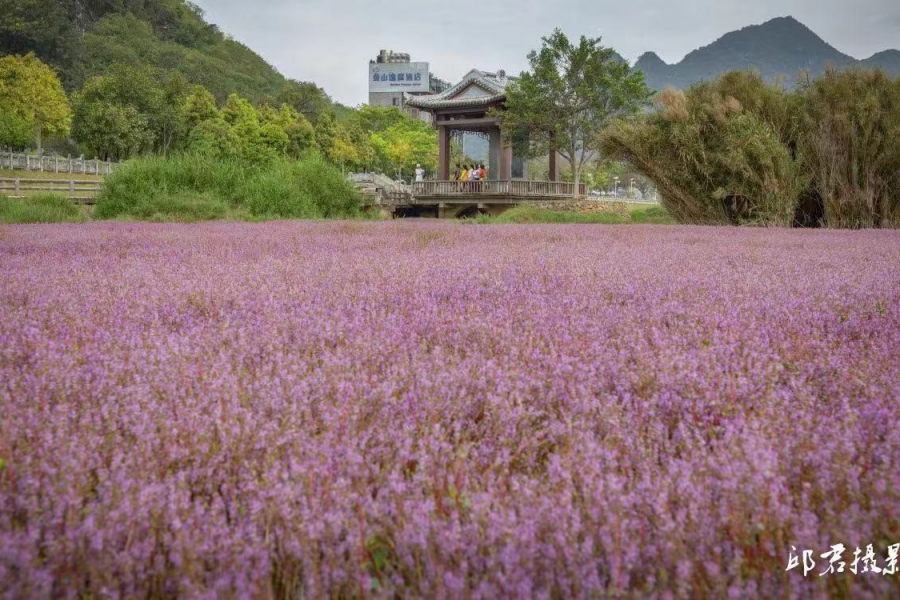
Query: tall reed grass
741, 151
42, 208
195, 187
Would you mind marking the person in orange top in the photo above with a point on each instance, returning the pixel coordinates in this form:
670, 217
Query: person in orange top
482, 173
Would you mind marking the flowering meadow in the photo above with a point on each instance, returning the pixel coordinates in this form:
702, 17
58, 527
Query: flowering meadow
414, 409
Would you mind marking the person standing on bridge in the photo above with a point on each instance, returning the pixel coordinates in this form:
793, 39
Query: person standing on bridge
420, 173
473, 177
482, 173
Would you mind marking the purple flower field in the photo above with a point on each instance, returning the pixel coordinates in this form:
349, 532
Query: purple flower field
299, 410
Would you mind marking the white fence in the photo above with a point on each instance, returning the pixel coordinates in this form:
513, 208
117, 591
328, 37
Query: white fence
55, 164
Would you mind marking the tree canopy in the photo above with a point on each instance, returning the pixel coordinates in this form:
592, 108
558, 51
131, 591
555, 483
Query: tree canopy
569, 95
84, 38
122, 113
34, 97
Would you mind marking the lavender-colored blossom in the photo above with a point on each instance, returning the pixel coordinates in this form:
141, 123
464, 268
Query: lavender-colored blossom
448, 411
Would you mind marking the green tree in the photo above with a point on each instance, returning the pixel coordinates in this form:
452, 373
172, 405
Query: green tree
571, 93
299, 131
36, 26
15, 132
198, 106
240, 130
343, 150
244, 120
32, 91
326, 129
306, 98
214, 137
122, 113
171, 120
406, 144
375, 119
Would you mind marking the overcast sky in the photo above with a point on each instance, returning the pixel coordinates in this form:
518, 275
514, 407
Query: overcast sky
330, 42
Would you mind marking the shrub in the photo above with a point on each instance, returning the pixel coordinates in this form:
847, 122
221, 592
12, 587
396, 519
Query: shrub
191, 187
851, 147
655, 215
44, 208
525, 215
714, 159
741, 151
278, 193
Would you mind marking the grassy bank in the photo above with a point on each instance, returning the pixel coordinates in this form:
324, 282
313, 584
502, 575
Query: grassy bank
523, 215
41, 208
191, 188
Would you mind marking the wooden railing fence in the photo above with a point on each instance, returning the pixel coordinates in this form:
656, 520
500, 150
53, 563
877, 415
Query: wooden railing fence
55, 164
80, 191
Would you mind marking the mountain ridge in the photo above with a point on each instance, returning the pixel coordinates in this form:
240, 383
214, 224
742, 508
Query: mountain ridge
779, 48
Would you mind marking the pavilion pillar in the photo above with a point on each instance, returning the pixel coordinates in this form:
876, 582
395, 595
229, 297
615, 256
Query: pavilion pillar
496, 142
443, 153
506, 160
554, 159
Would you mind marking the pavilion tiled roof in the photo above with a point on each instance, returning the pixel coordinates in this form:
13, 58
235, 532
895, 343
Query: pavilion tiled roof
493, 83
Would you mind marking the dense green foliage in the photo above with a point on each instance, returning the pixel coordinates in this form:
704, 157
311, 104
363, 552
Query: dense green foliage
655, 215
571, 92
525, 215
84, 38
254, 135
738, 150
152, 77
129, 111
31, 99
714, 160
134, 111
199, 187
42, 208
850, 141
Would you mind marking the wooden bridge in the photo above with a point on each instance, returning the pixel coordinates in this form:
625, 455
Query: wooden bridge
454, 199
506, 192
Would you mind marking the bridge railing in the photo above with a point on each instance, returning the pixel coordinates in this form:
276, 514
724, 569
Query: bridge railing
514, 188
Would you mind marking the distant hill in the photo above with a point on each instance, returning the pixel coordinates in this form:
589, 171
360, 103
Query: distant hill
82, 38
781, 47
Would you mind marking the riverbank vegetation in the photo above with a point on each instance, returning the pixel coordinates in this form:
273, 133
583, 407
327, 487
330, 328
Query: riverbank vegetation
526, 215
741, 151
202, 187
40, 208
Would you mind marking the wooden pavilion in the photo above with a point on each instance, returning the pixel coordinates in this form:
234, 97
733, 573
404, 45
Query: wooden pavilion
465, 107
